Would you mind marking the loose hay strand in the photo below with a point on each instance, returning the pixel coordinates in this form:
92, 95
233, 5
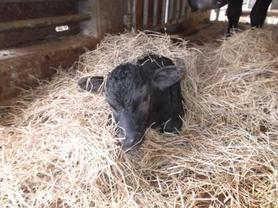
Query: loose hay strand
58, 150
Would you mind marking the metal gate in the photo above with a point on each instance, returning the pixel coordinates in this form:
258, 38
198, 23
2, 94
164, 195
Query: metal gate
158, 14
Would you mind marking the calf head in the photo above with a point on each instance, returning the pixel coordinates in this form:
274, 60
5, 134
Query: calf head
129, 92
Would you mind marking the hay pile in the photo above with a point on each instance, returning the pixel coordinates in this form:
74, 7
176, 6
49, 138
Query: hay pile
57, 150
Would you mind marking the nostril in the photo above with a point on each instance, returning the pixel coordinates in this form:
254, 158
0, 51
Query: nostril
128, 142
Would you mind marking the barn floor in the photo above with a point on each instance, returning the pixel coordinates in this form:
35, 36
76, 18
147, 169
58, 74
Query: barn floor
210, 32
56, 149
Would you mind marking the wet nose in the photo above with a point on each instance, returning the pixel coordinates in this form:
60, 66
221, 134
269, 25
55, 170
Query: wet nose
130, 141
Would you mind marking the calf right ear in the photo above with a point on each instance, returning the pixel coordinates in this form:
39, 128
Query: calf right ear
167, 76
91, 83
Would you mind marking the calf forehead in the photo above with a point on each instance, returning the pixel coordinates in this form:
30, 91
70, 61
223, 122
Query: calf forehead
152, 62
158, 61
126, 81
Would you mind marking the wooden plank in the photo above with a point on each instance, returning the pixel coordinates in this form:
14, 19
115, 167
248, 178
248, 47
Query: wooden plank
159, 12
145, 14
27, 36
155, 12
24, 1
163, 16
139, 14
19, 11
42, 22
183, 7
174, 10
178, 9
134, 14
151, 13
171, 10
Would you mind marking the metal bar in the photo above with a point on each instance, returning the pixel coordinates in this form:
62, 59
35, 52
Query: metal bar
145, 13
128, 17
163, 15
183, 7
134, 15
42, 22
178, 9
155, 12
174, 10
171, 10
150, 14
139, 14
25, 1
159, 12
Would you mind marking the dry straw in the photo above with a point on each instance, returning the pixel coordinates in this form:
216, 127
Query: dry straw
58, 151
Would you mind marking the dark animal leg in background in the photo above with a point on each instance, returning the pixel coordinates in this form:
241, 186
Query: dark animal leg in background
233, 13
258, 13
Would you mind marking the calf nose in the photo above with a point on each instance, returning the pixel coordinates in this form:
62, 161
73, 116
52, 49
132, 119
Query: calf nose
130, 142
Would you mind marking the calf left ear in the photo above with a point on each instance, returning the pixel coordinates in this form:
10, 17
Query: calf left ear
91, 83
167, 76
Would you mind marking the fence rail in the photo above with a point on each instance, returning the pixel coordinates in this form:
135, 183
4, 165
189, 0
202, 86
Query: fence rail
157, 14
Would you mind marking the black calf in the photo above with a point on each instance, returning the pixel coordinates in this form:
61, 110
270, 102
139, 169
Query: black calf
142, 95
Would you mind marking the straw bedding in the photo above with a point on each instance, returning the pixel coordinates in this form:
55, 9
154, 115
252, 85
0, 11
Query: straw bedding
58, 151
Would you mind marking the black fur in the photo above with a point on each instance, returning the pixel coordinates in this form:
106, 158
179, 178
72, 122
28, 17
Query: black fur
143, 95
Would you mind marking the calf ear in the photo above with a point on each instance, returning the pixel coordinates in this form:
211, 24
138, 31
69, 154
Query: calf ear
91, 83
167, 76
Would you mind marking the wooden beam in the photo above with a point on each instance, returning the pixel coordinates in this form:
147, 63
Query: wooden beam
42, 22
150, 14
25, 1
139, 14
